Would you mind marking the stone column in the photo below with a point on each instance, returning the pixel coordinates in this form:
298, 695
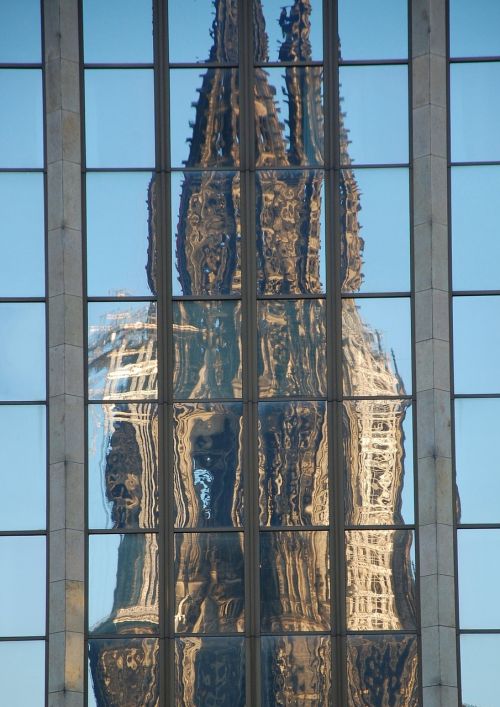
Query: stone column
432, 347
65, 350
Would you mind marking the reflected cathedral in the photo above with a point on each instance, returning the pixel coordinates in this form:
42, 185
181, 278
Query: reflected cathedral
292, 453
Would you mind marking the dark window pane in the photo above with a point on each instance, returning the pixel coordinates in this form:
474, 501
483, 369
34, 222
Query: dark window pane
376, 338
123, 465
293, 463
292, 348
369, 30
21, 118
207, 349
210, 671
208, 482
382, 670
122, 356
378, 462
124, 672
123, 583
374, 112
23, 465
22, 673
289, 116
290, 232
479, 658
22, 358
118, 31
476, 337
119, 118
478, 561
206, 242
20, 32
375, 239
474, 30
296, 670
121, 234
22, 590
209, 582
380, 569
292, 32
212, 35
204, 118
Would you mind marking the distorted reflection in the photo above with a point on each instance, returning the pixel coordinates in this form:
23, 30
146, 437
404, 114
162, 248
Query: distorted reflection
210, 671
213, 31
296, 670
382, 670
292, 32
208, 483
209, 582
293, 463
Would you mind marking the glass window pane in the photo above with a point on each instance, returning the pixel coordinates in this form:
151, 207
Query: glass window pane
476, 337
213, 31
478, 578
378, 462
210, 671
209, 583
383, 670
369, 30
294, 581
204, 118
206, 241
124, 671
122, 351
22, 673
207, 349
293, 463
20, 32
22, 359
119, 118
118, 31
123, 583
208, 481
292, 348
21, 118
474, 109
23, 464
292, 32
123, 465
474, 28
479, 658
121, 234
22, 590
380, 568
290, 232
375, 238
374, 112
289, 116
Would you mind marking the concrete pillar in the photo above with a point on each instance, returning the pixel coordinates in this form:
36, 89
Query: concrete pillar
432, 348
65, 350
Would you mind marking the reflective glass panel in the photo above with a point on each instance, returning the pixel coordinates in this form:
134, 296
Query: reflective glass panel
378, 462
290, 232
21, 118
210, 671
294, 581
118, 31
369, 30
204, 117
119, 118
123, 583
291, 348
293, 463
374, 112
476, 337
22, 358
20, 32
375, 223
206, 240
296, 670
123, 465
382, 670
22, 257
22, 590
122, 355
22, 673
289, 128
292, 32
380, 569
474, 109
209, 583
479, 578
121, 234
208, 481
213, 31
23, 465
207, 349
479, 658
474, 28
376, 337
124, 672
